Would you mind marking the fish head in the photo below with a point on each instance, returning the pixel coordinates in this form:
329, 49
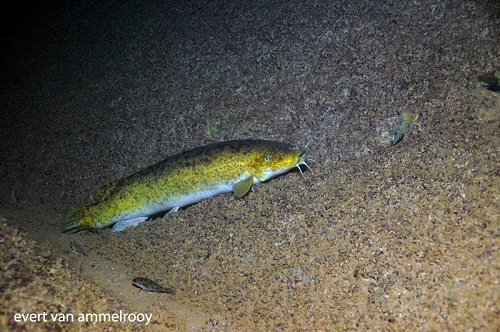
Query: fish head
275, 158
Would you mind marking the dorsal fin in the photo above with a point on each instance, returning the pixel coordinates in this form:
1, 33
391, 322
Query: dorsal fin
105, 191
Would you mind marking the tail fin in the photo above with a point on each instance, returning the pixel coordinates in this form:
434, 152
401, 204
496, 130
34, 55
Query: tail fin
75, 220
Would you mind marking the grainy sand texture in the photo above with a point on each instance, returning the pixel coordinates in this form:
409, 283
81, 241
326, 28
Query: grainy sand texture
377, 237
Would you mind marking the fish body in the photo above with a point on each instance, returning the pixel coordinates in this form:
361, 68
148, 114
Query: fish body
149, 285
406, 121
77, 248
184, 179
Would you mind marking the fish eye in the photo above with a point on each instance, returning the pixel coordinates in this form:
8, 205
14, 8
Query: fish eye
266, 158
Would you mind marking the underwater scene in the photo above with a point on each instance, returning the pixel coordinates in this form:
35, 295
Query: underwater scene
250, 166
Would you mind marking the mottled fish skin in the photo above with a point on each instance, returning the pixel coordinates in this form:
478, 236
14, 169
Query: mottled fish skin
187, 178
149, 285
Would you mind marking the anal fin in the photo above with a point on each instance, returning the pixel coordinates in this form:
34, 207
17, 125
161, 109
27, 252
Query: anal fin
169, 213
122, 225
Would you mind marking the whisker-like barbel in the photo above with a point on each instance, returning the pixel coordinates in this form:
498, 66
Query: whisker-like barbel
309, 168
300, 170
309, 158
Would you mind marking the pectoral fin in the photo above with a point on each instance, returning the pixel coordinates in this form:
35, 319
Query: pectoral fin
241, 188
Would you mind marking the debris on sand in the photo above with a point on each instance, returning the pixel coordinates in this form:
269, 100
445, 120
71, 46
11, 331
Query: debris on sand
406, 121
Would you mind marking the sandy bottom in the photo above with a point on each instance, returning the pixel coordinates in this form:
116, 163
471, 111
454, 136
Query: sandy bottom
376, 237
405, 238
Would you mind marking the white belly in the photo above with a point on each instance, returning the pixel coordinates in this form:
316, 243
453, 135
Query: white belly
132, 218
